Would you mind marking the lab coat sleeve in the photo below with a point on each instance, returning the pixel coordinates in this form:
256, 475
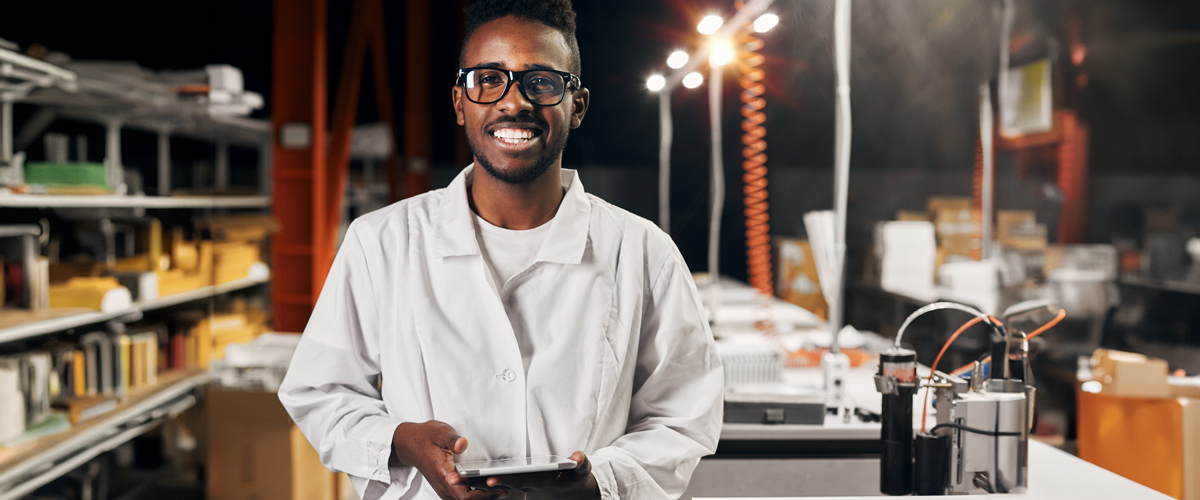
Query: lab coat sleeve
677, 402
330, 389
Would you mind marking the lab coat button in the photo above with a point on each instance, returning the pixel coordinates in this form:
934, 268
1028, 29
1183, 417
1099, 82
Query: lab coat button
508, 375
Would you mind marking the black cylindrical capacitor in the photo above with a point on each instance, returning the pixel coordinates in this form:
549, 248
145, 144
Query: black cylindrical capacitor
932, 475
896, 433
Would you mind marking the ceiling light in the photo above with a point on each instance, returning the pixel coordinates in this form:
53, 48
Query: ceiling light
721, 55
677, 59
765, 22
710, 24
656, 83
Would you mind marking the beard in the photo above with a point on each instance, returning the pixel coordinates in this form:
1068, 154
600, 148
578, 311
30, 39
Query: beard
526, 174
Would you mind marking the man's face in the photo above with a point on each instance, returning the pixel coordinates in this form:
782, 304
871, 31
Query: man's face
516, 45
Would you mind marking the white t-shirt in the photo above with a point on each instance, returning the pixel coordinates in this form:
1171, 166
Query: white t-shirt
508, 252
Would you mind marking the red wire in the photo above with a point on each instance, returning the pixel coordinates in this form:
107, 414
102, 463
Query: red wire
938, 359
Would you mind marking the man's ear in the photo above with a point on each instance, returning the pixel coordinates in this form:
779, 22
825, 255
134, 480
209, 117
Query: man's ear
579, 106
456, 96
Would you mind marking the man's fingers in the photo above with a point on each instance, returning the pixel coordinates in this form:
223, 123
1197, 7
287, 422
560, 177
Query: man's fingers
448, 438
582, 464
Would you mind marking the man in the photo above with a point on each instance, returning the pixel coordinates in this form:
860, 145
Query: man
509, 314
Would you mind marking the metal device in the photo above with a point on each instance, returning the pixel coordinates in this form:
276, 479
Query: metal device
980, 444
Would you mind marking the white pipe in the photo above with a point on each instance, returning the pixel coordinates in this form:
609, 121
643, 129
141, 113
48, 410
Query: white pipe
718, 174
1007, 17
665, 131
841, 156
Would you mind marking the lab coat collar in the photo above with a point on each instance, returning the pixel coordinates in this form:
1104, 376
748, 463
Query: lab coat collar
565, 243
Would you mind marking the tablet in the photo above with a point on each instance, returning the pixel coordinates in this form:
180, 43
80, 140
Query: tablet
506, 466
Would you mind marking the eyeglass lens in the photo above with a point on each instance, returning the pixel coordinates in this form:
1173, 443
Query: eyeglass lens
486, 86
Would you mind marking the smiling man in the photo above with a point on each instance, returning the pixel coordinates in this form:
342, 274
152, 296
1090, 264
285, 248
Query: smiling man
510, 314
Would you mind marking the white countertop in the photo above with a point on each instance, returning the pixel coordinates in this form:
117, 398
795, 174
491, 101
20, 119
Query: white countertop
1053, 475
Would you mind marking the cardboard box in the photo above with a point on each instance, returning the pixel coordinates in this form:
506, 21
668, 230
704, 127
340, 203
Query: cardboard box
1018, 229
1127, 374
937, 203
1141, 439
958, 231
797, 275
255, 452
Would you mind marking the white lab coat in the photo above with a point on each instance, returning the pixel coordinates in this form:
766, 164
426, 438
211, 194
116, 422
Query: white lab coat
600, 346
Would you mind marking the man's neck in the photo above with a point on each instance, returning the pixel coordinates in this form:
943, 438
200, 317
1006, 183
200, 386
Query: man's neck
516, 206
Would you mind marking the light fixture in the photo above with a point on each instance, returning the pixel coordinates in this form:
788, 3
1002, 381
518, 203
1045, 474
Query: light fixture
710, 24
677, 59
656, 83
722, 53
765, 22
693, 80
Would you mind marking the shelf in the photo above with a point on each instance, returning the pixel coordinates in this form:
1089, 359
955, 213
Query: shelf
1178, 286
29, 465
115, 201
27, 324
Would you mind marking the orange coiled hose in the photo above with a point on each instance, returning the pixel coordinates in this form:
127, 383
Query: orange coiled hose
758, 227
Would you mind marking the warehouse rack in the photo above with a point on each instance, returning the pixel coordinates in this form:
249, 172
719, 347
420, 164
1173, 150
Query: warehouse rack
118, 96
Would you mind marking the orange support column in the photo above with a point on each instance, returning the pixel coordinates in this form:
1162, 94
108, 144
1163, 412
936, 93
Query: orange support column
298, 100
1073, 179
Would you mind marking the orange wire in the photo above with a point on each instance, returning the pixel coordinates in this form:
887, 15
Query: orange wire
1062, 313
938, 359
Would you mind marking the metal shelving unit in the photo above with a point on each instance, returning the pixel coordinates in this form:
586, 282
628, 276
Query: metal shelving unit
115, 201
56, 323
119, 96
39, 462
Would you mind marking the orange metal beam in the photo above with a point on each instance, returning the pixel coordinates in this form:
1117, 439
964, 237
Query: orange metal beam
298, 97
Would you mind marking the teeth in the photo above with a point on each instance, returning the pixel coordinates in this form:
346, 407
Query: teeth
513, 135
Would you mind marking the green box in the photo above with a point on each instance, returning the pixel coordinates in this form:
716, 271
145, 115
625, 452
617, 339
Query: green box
66, 174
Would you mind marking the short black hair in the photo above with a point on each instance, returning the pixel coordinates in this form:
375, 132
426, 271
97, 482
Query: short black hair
557, 14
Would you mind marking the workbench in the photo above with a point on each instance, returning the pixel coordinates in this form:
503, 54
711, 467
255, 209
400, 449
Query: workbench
840, 459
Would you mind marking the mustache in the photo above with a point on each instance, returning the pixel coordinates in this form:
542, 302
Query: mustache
512, 120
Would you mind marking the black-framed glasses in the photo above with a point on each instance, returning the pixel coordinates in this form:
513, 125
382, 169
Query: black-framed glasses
542, 87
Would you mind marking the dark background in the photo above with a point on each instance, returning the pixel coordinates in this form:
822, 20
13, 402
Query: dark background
916, 67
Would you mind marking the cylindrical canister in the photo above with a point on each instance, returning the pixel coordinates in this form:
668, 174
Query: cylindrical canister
932, 475
896, 434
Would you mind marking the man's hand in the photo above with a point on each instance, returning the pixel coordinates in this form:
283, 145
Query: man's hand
577, 483
430, 447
